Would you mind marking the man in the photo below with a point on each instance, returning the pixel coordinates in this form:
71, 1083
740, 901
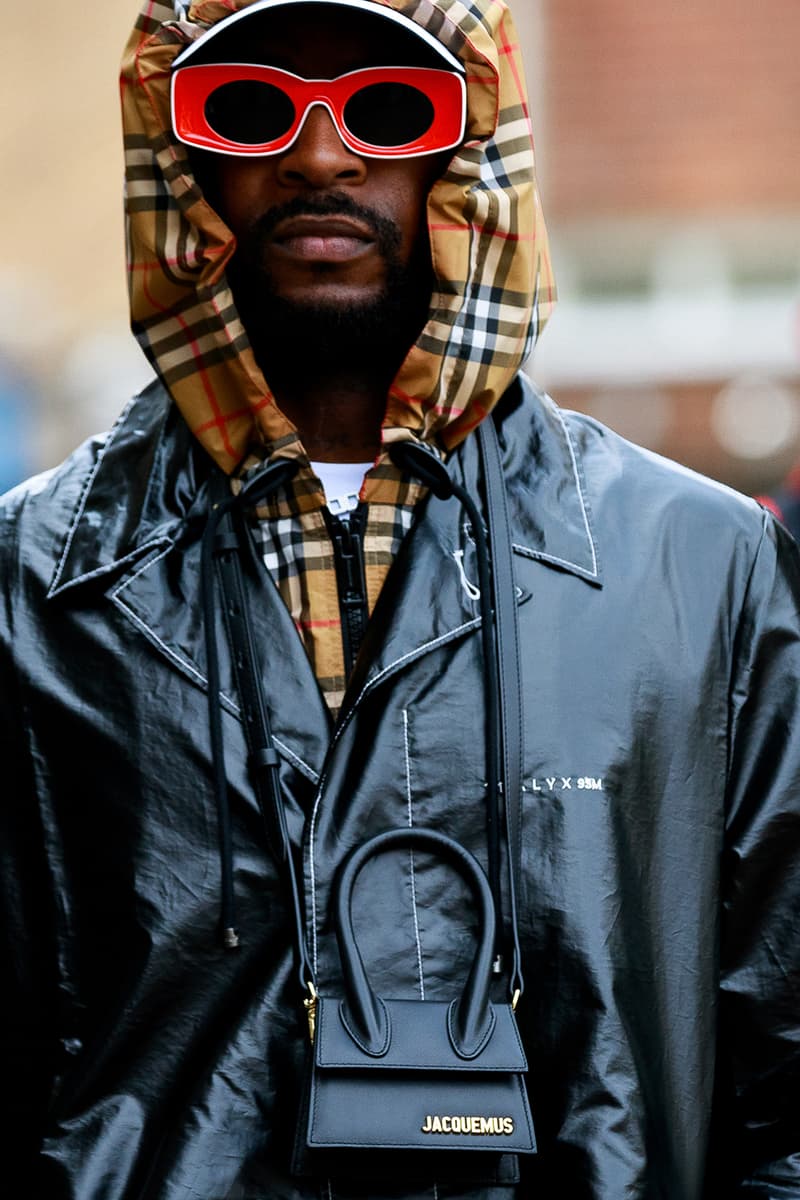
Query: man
326, 265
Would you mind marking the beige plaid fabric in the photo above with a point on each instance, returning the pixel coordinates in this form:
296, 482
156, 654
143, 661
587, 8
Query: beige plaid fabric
299, 555
494, 286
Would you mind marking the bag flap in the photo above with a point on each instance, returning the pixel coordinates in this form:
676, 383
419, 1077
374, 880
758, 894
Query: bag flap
415, 1110
419, 1040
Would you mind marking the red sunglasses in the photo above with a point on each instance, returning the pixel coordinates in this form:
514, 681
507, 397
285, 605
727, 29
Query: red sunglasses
379, 112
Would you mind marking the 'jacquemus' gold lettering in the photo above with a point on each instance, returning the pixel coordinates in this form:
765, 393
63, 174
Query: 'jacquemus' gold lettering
480, 1126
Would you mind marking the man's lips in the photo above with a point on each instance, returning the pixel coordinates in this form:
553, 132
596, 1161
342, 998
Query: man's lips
322, 239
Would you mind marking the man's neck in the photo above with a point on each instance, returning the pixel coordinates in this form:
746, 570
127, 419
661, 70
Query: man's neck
336, 406
338, 419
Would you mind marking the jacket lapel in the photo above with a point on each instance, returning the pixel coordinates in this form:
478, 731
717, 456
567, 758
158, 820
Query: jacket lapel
550, 510
145, 476
430, 597
137, 526
162, 598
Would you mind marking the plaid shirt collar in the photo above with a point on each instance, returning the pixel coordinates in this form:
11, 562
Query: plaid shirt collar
298, 553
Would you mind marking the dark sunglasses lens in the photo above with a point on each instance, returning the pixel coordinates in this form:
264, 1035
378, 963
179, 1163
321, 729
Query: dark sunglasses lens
389, 114
249, 111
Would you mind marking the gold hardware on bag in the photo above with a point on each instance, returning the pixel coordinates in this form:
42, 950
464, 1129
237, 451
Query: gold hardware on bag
475, 1126
311, 1010
515, 999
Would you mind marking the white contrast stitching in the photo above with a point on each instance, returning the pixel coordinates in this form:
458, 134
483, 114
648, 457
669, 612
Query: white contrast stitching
312, 873
291, 757
312, 830
106, 567
411, 856
412, 654
540, 556
183, 663
150, 562
586, 523
227, 701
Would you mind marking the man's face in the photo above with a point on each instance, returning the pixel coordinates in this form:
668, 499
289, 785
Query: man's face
320, 226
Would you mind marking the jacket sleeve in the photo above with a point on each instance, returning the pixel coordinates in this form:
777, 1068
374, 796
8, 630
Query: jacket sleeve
27, 1022
759, 1052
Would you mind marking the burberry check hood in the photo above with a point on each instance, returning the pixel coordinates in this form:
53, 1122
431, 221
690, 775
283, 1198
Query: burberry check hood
493, 294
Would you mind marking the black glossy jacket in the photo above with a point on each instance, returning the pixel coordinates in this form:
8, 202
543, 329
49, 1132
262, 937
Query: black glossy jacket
661, 888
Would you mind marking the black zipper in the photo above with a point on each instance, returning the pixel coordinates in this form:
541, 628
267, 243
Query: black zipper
347, 538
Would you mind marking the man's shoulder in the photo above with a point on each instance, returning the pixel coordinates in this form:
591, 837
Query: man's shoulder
35, 520
609, 503
43, 504
617, 472
36, 516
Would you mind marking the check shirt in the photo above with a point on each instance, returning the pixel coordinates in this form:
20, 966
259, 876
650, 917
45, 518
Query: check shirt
298, 553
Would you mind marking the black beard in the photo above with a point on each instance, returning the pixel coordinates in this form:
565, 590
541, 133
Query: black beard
293, 338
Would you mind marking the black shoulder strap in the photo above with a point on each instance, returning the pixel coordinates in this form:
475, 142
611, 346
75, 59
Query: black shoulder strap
504, 602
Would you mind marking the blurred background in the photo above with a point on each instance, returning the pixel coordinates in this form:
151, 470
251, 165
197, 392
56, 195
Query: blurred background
668, 142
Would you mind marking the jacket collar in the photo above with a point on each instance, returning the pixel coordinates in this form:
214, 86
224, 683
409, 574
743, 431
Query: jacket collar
550, 521
149, 479
550, 512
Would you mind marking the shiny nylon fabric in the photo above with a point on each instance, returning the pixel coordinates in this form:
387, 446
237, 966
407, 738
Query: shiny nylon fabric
488, 239
661, 823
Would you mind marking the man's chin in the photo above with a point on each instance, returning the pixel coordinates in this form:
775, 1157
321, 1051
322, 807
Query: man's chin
333, 326
331, 322
333, 298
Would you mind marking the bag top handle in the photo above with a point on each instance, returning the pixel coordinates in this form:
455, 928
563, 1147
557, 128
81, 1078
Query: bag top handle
364, 1012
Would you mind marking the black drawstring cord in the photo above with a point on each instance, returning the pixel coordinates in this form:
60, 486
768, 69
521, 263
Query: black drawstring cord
420, 461
230, 938
220, 537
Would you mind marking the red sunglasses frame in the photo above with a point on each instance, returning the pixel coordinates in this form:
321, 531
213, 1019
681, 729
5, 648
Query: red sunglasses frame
191, 87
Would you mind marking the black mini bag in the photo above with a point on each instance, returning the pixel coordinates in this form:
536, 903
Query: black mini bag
423, 1077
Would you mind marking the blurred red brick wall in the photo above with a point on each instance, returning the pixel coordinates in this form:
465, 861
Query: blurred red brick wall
693, 107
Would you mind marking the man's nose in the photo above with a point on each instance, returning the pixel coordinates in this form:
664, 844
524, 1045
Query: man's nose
319, 157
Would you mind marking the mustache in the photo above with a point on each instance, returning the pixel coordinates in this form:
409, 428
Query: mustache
333, 204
